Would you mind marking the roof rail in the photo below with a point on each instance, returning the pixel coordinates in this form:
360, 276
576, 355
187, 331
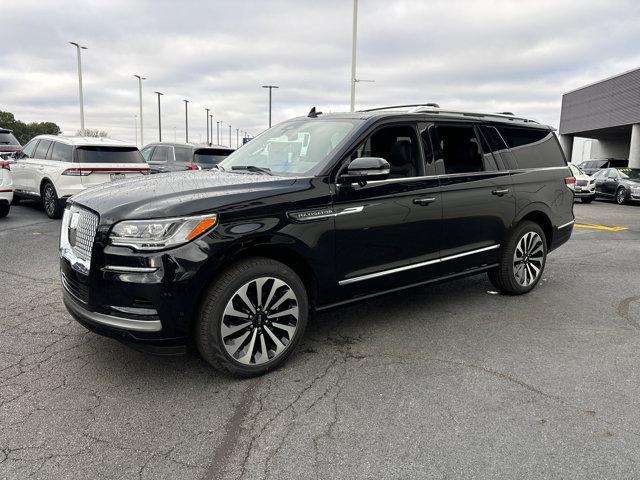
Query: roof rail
434, 108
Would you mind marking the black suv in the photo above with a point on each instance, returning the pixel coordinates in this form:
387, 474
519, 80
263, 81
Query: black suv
314, 213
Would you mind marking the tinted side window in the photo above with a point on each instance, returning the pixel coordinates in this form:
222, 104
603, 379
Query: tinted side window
161, 154
612, 173
399, 146
533, 148
29, 148
41, 151
458, 148
145, 152
183, 154
61, 152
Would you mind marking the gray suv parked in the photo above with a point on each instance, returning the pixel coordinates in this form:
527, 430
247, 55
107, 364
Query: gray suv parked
176, 157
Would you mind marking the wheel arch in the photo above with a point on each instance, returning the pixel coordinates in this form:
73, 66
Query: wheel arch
540, 214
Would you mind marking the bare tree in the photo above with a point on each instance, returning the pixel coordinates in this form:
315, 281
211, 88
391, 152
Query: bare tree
92, 132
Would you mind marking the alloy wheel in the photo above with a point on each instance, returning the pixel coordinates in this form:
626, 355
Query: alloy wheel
49, 199
260, 321
528, 259
621, 196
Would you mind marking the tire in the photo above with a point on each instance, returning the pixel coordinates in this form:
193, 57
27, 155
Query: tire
16, 199
588, 199
4, 210
240, 350
516, 277
621, 196
50, 201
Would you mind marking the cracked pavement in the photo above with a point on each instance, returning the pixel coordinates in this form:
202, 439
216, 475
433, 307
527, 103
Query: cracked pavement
447, 381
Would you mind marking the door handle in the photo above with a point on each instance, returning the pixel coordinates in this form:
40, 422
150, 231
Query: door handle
423, 201
500, 192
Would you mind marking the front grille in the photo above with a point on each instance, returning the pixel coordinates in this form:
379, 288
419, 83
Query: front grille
85, 233
76, 289
582, 183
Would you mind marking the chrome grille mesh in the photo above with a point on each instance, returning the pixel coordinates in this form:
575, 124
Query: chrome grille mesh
85, 233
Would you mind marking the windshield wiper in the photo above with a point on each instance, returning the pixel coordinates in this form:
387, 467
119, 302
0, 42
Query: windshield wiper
252, 168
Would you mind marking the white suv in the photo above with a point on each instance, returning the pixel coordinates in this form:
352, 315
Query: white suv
6, 188
52, 168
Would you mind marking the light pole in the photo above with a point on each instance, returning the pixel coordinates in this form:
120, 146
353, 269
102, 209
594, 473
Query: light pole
237, 137
140, 79
270, 87
218, 132
353, 55
78, 48
229, 136
207, 124
159, 117
211, 123
186, 121
135, 127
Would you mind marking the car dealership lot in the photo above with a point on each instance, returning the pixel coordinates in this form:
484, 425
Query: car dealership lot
449, 381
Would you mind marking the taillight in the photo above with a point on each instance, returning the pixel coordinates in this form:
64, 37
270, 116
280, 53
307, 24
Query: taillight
191, 166
570, 180
5, 165
76, 172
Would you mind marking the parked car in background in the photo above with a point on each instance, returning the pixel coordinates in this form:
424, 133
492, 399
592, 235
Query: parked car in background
51, 168
315, 212
621, 184
8, 143
176, 157
585, 186
6, 188
592, 166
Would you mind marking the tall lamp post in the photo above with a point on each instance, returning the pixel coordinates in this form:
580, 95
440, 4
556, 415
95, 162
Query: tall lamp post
229, 135
218, 132
135, 127
186, 121
140, 79
353, 55
159, 117
270, 87
237, 137
207, 124
78, 48
211, 123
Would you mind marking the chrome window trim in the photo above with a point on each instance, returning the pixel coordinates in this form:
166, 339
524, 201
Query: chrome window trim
382, 273
566, 224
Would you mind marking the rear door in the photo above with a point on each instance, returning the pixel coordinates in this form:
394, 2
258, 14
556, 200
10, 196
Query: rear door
100, 164
478, 202
611, 182
35, 167
160, 158
20, 165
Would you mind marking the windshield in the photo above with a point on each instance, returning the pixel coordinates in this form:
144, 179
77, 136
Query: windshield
630, 173
292, 148
108, 155
8, 139
211, 156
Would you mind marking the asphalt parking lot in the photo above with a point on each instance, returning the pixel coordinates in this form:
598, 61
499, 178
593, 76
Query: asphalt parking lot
448, 381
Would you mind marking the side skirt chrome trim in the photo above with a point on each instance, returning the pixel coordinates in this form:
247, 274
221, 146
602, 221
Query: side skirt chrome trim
566, 224
369, 276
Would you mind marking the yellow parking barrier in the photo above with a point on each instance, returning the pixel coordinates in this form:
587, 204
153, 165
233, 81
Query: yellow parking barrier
600, 227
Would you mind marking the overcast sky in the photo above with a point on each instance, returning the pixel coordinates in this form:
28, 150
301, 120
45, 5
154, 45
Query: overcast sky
482, 55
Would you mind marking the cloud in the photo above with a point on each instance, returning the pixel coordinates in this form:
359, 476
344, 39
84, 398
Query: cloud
516, 55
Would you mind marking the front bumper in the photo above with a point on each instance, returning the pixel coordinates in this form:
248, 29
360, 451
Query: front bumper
584, 192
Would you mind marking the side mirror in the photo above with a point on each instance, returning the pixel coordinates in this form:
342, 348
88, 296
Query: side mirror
365, 169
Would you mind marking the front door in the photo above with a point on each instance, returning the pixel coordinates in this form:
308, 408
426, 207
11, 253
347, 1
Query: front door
387, 233
477, 197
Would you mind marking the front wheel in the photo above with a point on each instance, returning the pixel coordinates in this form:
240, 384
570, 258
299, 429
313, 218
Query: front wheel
52, 206
252, 317
621, 196
522, 260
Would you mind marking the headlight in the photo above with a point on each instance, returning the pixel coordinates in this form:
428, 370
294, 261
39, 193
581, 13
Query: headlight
160, 233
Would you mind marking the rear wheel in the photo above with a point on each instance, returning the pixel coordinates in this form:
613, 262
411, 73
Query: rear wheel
522, 260
621, 196
4, 210
252, 317
50, 201
16, 199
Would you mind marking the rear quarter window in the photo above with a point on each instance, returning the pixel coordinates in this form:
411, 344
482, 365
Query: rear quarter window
100, 154
533, 148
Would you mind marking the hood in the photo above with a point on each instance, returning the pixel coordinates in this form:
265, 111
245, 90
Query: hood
178, 194
632, 181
